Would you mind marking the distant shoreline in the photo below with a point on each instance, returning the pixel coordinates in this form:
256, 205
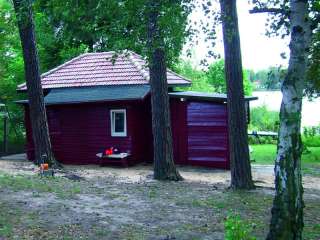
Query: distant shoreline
272, 99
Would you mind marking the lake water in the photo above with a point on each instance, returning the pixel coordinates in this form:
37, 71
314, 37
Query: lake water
272, 99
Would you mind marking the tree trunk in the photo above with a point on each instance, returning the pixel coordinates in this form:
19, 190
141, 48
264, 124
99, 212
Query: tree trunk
40, 132
164, 168
287, 210
238, 137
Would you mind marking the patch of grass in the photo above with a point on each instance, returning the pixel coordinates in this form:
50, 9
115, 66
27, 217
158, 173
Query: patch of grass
63, 188
266, 154
152, 193
5, 228
236, 228
208, 203
9, 218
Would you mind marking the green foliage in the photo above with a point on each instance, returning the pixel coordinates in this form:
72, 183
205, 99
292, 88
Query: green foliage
212, 80
111, 25
311, 136
198, 77
65, 29
11, 72
268, 79
266, 154
263, 119
280, 26
216, 77
262, 140
237, 229
313, 73
62, 187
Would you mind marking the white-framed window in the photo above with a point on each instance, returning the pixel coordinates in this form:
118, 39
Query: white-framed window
118, 119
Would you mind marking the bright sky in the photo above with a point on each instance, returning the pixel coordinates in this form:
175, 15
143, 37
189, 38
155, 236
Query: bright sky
258, 50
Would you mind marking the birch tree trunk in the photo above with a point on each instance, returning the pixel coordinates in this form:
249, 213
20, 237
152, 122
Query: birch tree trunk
287, 210
164, 168
241, 177
40, 132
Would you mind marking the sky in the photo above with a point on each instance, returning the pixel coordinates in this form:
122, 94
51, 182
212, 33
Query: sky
258, 51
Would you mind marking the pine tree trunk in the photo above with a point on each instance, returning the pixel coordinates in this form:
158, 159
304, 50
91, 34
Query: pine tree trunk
40, 132
287, 210
164, 168
241, 177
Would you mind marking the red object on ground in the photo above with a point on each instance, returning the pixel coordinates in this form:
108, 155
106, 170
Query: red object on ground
44, 166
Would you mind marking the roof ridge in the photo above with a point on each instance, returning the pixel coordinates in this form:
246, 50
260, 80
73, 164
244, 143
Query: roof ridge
148, 77
140, 68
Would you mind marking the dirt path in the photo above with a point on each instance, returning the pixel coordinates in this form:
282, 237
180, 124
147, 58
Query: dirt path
113, 203
262, 174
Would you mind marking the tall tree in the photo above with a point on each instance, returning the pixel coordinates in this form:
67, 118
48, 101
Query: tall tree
287, 210
164, 168
241, 177
40, 131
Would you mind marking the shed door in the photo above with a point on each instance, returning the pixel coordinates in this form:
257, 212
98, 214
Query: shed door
207, 134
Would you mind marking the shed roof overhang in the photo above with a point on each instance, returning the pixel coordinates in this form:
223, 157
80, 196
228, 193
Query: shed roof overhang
94, 94
212, 97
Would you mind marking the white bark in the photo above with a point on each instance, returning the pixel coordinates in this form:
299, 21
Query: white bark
287, 212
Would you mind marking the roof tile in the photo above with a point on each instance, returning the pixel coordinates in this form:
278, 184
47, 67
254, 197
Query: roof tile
99, 69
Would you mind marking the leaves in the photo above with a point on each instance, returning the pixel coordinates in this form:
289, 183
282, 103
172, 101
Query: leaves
212, 80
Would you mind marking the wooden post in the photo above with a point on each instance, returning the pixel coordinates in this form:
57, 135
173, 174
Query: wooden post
5, 134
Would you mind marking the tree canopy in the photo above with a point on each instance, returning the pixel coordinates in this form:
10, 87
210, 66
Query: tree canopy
278, 25
65, 29
210, 80
110, 25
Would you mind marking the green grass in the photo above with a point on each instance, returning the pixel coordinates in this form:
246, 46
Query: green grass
266, 154
62, 187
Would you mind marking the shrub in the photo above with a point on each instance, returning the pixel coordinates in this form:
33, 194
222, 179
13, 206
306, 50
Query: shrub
311, 136
237, 229
311, 141
262, 140
263, 119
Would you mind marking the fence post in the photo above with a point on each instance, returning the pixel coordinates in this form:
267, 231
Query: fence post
5, 134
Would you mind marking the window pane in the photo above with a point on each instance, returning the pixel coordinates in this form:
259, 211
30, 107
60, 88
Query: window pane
119, 122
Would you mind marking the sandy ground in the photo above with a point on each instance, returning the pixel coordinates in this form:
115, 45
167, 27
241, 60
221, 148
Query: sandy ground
126, 203
263, 175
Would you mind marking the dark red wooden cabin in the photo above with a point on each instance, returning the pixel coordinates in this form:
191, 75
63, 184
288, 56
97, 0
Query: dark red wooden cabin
93, 104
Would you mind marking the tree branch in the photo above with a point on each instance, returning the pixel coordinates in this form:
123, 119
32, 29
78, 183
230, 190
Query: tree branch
268, 10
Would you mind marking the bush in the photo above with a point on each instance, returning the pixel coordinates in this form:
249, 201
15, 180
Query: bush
313, 141
262, 140
263, 119
16, 137
237, 229
311, 136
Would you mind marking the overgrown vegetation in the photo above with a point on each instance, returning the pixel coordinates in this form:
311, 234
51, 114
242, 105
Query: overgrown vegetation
236, 228
211, 80
311, 136
263, 119
37, 185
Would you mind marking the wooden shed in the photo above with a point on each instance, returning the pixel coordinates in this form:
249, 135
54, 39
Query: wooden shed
94, 104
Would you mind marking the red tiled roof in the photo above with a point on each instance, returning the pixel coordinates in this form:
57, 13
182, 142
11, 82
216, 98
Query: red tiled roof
98, 69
